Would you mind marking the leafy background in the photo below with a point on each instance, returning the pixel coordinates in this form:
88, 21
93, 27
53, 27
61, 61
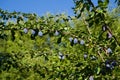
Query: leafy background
80, 47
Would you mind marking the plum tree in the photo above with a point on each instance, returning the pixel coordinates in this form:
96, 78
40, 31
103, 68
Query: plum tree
60, 47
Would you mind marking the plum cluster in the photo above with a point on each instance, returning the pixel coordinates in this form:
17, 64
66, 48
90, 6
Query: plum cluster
38, 32
33, 32
109, 33
110, 64
75, 41
61, 56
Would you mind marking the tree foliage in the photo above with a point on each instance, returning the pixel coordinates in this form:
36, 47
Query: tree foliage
61, 47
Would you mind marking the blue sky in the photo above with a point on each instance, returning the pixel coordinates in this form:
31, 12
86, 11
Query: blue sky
40, 7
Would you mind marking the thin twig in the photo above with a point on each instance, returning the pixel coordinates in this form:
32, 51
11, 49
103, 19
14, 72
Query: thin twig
87, 25
105, 52
110, 31
101, 56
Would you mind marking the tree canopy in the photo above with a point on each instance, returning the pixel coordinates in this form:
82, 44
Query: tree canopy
61, 47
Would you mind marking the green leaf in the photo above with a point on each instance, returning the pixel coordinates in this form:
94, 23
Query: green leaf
59, 40
98, 70
106, 2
